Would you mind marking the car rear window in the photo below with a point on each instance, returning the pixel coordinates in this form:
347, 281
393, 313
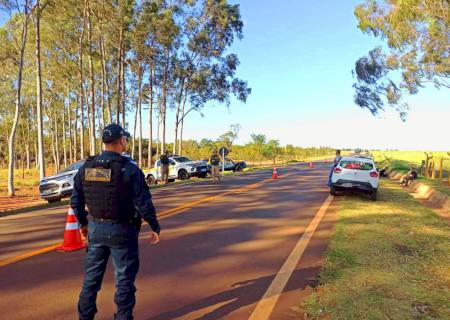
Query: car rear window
356, 165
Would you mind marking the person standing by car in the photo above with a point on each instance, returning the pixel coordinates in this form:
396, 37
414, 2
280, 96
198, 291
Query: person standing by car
165, 163
113, 189
336, 161
215, 166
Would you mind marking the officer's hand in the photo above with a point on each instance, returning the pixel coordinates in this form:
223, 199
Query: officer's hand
154, 237
84, 232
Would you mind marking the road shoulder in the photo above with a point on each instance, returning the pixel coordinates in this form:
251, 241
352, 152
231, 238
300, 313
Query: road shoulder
386, 258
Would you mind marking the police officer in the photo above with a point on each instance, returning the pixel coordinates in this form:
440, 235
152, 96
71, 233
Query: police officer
113, 189
215, 169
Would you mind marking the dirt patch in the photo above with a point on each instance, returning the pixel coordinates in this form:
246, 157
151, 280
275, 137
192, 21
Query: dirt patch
25, 197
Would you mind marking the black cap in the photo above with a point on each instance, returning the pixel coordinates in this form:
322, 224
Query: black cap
113, 132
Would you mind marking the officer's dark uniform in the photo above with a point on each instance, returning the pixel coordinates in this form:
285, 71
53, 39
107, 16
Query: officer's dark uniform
112, 187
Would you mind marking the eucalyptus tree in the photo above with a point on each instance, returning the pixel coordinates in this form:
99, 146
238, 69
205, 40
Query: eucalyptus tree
418, 41
207, 74
21, 22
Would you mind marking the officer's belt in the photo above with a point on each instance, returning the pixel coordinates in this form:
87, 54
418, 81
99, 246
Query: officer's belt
100, 220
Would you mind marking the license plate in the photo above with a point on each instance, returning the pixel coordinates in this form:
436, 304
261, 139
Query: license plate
46, 192
347, 185
203, 170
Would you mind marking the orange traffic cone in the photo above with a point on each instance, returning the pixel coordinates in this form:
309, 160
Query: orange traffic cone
311, 165
274, 174
72, 235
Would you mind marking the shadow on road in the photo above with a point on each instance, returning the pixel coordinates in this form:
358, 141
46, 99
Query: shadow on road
240, 294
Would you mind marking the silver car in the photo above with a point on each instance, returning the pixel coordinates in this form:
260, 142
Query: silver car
60, 185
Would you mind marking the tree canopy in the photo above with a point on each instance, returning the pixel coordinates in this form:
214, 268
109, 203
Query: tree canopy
417, 34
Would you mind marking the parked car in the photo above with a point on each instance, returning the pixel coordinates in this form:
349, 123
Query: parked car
180, 167
60, 185
230, 165
356, 174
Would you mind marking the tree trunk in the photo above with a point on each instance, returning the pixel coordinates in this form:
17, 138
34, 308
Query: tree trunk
52, 134
39, 111
57, 162
75, 129
133, 144
80, 89
150, 119
158, 128
164, 102
92, 149
69, 114
86, 101
124, 103
119, 76
24, 144
103, 92
11, 191
140, 118
82, 123
28, 145
105, 83
64, 134
36, 162
177, 117
180, 145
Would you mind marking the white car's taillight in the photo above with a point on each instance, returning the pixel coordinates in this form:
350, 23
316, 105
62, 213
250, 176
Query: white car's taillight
374, 174
337, 170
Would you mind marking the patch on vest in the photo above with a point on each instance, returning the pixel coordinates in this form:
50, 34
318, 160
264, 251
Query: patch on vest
97, 175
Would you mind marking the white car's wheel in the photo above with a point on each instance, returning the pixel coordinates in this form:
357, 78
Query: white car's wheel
183, 175
373, 195
332, 190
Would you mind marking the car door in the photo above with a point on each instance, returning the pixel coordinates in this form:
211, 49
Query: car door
173, 169
158, 169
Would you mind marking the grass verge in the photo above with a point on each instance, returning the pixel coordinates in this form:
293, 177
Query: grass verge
403, 166
34, 207
387, 260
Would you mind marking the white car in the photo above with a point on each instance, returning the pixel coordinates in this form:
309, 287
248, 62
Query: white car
356, 174
181, 168
60, 185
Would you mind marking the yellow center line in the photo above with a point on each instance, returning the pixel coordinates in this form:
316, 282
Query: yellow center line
28, 255
163, 215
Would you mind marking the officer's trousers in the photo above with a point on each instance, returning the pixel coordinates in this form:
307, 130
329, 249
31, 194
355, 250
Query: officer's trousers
121, 242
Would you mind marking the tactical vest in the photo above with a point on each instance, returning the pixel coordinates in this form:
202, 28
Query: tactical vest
106, 193
215, 160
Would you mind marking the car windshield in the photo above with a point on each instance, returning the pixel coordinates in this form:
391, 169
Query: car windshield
356, 165
74, 166
182, 159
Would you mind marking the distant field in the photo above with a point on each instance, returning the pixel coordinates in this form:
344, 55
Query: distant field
401, 160
415, 157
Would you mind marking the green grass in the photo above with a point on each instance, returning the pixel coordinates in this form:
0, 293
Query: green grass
387, 260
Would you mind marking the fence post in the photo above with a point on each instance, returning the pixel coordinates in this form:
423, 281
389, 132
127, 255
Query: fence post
441, 168
426, 165
433, 171
448, 172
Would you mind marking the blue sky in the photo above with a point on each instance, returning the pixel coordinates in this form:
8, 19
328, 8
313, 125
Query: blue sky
297, 57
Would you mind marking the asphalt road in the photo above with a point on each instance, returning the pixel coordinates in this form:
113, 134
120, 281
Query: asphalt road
222, 247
